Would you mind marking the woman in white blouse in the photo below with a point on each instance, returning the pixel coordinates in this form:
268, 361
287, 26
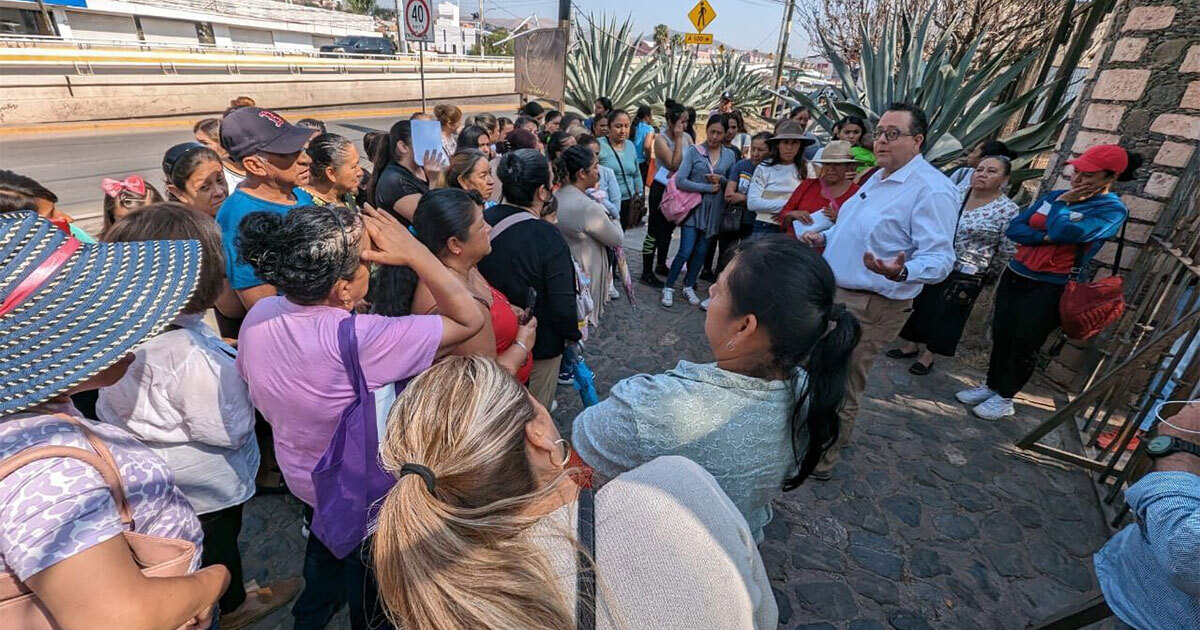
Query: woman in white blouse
183, 398
777, 177
941, 310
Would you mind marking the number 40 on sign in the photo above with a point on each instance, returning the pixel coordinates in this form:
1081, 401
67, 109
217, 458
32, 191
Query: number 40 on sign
418, 21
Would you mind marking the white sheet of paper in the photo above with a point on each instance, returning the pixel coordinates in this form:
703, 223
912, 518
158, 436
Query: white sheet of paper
427, 136
820, 224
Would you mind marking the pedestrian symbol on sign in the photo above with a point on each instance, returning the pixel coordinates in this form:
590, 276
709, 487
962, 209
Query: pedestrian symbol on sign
702, 15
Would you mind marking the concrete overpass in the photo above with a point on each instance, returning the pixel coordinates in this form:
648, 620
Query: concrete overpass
53, 82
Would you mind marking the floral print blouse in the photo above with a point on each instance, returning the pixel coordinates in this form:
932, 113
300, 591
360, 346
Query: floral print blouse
980, 242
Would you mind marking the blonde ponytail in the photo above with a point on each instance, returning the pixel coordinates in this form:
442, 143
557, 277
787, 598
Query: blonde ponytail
459, 558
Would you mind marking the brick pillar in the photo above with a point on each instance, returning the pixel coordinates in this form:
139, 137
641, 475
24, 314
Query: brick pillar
1145, 94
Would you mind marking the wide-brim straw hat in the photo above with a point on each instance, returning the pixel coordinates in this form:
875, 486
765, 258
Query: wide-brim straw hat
68, 310
791, 130
836, 152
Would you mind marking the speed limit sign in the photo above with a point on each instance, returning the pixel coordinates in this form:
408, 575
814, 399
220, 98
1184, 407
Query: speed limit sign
418, 21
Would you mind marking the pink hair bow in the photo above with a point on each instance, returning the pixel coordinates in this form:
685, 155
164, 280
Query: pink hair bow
113, 187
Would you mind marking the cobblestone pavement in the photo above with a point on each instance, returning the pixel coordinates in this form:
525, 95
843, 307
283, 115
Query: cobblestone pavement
933, 519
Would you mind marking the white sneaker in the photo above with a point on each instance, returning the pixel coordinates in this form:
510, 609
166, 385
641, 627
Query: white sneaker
690, 294
975, 395
668, 298
704, 304
613, 293
995, 408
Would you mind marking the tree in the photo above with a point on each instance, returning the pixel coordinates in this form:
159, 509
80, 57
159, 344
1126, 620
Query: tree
662, 38
491, 48
387, 15
361, 7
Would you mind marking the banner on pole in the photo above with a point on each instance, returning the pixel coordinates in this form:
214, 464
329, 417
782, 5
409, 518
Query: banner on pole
540, 63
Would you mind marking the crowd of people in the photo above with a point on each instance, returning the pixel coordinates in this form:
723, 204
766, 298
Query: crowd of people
389, 342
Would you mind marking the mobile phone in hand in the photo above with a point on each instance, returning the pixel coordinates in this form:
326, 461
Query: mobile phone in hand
530, 302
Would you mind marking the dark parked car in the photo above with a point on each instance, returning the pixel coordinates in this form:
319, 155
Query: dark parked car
360, 46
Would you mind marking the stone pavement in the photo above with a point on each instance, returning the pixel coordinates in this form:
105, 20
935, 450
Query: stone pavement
933, 519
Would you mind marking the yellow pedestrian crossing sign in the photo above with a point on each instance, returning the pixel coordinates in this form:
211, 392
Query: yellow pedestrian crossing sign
702, 15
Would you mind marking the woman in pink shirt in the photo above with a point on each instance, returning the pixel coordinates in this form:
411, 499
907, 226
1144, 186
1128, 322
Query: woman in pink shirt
319, 257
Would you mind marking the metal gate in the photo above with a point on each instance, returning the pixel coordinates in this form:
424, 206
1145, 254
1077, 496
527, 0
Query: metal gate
1151, 355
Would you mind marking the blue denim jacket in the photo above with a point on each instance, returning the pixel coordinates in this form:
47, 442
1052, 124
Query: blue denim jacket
1150, 571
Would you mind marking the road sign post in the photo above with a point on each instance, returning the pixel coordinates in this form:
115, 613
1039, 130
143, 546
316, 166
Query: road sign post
418, 27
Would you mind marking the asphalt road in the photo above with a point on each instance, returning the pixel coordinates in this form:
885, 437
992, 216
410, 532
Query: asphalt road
72, 164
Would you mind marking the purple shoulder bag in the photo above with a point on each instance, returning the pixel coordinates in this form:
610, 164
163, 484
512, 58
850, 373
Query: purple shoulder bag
348, 479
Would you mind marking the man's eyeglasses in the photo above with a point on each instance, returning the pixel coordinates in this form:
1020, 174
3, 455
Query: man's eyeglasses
891, 135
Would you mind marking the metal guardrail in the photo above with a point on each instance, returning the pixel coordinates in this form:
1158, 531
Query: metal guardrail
52, 42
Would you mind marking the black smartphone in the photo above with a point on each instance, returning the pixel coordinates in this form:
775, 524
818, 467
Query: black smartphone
530, 302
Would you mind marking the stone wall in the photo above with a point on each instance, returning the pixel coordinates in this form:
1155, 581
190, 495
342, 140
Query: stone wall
1145, 95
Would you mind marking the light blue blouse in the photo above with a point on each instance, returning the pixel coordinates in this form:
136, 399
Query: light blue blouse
735, 426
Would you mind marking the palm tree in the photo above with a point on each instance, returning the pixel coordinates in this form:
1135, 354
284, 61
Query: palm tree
662, 38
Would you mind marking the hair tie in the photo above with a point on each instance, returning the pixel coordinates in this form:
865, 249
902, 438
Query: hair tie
417, 469
113, 187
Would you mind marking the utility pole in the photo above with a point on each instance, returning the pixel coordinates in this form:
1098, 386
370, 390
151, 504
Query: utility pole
784, 30
46, 16
480, 30
564, 23
401, 38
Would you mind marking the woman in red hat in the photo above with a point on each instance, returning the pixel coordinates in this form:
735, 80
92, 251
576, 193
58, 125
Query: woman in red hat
1050, 234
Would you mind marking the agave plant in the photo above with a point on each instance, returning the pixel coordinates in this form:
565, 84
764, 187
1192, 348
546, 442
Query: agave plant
682, 79
961, 100
748, 87
602, 63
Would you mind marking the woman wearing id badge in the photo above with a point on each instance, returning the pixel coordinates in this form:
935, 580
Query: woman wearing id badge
1057, 236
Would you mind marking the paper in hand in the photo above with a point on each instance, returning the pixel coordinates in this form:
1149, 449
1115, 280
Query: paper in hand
427, 136
820, 223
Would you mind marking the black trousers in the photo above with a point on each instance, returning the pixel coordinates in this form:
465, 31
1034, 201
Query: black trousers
726, 241
658, 232
329, 583
1026, 313
221, 531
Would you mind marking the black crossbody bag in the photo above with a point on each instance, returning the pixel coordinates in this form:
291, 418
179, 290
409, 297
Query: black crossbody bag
585, 580
961, 289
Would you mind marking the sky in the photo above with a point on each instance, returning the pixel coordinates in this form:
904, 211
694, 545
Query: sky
744, 24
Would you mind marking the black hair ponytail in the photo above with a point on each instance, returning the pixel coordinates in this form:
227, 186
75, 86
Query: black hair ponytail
401, 131
827, 366
806, 329
1130, 172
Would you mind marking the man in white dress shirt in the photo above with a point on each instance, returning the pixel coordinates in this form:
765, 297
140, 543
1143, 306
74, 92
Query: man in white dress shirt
891, 238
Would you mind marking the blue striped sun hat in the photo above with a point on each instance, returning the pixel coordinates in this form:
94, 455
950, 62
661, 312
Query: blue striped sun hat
69, 310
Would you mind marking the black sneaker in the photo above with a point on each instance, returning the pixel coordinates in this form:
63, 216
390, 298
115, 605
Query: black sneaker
708, 276
651, 280
662, 270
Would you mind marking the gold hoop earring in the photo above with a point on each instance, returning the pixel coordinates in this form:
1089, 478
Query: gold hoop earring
566, 453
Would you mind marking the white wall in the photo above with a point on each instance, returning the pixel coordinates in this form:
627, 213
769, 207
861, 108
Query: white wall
98, 26
293, 40
61, 21
169, 31
221, 34
242, 36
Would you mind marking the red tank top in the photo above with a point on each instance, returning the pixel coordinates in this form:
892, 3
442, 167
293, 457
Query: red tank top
504, 327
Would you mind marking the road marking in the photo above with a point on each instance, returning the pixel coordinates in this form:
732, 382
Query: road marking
178, 121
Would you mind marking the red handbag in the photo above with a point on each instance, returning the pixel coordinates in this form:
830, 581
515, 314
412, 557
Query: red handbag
1086, 308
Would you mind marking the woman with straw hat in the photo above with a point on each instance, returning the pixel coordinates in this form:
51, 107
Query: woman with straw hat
815, 202
69, 315
777, 177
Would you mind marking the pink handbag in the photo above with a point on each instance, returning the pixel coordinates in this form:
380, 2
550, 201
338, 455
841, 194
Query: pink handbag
677, 204
155, 555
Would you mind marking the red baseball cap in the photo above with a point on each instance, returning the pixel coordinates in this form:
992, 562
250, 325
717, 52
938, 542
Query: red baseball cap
1102, 157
